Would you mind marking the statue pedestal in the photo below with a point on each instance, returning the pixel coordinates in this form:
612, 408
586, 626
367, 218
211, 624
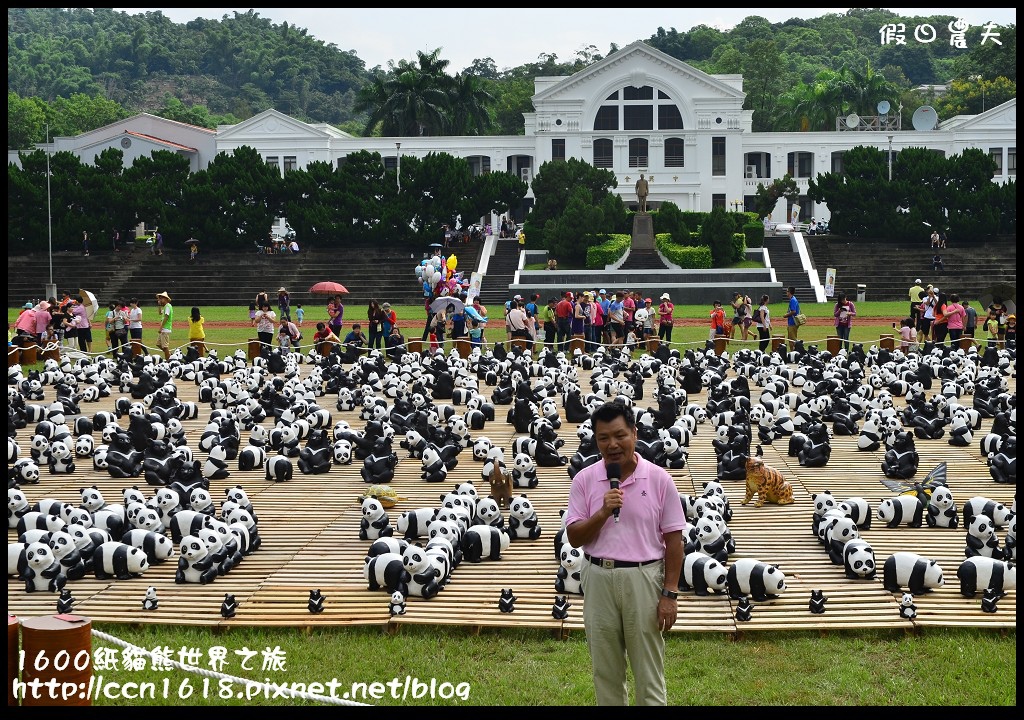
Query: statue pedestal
643, 232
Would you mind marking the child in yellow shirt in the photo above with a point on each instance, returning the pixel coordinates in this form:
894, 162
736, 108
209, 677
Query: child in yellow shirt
992, 328
196, 332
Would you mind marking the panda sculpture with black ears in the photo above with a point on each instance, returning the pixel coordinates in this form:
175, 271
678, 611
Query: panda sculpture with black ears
375, 522
522, 519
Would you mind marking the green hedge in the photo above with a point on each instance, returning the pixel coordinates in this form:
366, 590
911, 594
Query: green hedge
754, 233
689, 258
608, 252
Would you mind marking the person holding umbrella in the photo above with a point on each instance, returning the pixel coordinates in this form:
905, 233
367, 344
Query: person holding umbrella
336, 314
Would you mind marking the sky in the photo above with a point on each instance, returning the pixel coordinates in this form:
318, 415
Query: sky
516, 36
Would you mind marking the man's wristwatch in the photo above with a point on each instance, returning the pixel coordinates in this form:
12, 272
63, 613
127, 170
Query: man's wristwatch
669, 594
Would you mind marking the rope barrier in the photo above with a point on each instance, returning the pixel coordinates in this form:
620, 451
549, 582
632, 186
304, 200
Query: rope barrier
274, 688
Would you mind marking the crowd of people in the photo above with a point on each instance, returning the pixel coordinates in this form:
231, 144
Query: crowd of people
592, 318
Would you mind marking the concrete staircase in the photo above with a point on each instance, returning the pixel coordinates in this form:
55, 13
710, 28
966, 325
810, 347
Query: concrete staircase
643, 260
888, 269
501, 271
788, 269
230, 278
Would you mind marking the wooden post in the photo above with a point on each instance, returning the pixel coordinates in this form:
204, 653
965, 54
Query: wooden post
778, 344
833, 344
58, 647
13, 356
137, 348
463, 346
30, 354
200, 347
577, 343
721, 345
52, 353
254, 348
966, 343
520, 343
887, 342
414, 346
13, 647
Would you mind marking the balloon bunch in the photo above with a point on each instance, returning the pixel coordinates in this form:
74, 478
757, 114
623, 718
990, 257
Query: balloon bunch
438, 277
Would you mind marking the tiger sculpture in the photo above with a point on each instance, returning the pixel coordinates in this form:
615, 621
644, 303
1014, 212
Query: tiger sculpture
766, 482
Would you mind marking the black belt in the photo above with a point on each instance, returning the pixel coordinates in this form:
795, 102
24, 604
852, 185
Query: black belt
616, 564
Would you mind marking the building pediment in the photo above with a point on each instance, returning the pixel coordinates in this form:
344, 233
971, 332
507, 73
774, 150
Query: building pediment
1002, 117
270, 124
637, 64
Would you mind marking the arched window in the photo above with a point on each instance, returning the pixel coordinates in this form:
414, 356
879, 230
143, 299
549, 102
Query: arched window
638, 108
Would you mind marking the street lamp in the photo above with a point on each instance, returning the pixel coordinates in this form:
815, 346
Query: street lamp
890, 158
51, 288
978, 79
398, 175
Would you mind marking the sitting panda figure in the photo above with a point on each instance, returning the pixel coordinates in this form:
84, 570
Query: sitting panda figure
316, 458
568, 578
524, 471
942, 509
416, 444
160, 463
61, 458
216, 465
960, 431
908, 610
433, 467
238, 496
522, 519
397, 604
871, 435
816, 450
39, 569
374, 523
709, 539
17, 506
982, 539
200, 501
379, 466
674, 454
65, 551
1002, 464
422, 574
901, 459
488, 512
195, 563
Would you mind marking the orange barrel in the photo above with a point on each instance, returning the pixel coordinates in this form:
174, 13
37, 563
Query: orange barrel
13, 625
57, 647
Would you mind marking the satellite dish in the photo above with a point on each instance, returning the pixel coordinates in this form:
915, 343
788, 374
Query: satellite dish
852, 120
883, 107
924, 118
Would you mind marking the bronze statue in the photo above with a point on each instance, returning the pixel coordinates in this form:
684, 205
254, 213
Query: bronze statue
641, 194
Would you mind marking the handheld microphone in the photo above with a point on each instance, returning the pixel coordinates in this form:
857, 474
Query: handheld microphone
614, 471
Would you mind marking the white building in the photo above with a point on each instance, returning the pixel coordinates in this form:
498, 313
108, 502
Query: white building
637, 111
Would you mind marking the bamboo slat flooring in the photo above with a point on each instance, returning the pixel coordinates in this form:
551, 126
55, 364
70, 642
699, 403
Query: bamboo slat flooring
310, 539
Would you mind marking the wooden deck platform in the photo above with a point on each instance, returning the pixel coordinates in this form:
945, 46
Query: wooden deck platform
309, 528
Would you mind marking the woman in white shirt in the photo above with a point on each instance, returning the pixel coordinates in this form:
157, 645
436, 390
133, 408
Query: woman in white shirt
927, 314
764, 324
135, 323
265, 321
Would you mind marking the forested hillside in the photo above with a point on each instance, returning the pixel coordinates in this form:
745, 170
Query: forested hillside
80, 68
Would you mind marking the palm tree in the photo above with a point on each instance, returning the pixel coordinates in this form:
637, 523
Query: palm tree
865, 90
411, 99
469, 102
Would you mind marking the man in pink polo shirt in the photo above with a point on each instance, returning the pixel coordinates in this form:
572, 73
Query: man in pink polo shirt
631, 536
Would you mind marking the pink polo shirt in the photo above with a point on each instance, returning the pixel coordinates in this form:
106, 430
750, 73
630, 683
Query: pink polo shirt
955, 315
650, 508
